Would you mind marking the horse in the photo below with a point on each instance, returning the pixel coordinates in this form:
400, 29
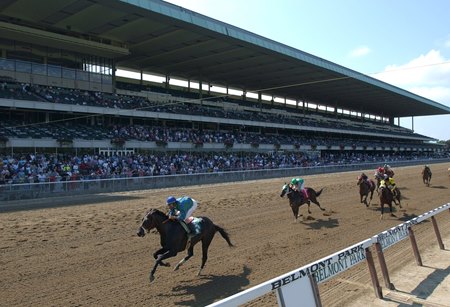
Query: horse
296, 199
386, 197
365, 187
174, 238
426, 176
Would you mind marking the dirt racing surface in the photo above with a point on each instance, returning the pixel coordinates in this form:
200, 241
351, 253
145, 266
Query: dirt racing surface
85, 252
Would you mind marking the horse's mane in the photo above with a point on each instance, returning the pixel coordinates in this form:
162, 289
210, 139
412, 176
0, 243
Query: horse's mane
155, 211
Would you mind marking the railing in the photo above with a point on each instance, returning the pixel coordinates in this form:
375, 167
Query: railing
302, 283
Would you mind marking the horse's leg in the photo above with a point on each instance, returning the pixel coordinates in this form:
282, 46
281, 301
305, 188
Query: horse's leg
189, 255
205, 245
314, 200
309, 206
295, 208
160, 257
382, 209
390, 207
157, 253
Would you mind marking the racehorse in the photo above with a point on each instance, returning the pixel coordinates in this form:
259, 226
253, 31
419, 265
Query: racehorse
365, 187
386, 197
174, 238
426, 176
296, 199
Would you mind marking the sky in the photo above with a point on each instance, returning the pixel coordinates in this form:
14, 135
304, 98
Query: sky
402, 42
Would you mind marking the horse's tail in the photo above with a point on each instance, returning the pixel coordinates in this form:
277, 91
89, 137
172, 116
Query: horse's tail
224, 234
319, 192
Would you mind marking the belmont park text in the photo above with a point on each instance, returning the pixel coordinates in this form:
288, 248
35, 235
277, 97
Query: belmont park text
327, 268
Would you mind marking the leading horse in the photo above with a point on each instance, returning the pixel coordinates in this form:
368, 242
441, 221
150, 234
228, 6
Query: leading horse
386, 197
174, 238
366, 186
296, 198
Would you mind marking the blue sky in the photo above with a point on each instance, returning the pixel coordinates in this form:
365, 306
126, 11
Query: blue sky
402, 42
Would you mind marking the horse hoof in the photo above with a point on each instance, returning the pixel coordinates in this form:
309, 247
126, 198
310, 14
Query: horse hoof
152, 278
176, 268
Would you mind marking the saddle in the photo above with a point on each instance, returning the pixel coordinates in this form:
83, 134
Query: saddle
193, 227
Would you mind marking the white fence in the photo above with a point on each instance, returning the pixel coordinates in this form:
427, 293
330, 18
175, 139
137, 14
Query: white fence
302, 282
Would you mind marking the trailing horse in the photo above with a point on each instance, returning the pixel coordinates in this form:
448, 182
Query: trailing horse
174, 238
386, 197
366, 186
426, 176
296, 199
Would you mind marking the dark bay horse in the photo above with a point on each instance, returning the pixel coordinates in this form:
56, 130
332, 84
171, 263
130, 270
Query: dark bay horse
426, 176
366, 186
386, 198
296, 199
174, 238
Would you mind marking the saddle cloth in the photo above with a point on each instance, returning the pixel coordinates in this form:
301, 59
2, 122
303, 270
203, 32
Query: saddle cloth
196, 222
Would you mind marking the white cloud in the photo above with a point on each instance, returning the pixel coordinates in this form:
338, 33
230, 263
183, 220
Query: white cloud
359, 52
427, 75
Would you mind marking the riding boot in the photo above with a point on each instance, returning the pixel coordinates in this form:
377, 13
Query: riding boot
186, 228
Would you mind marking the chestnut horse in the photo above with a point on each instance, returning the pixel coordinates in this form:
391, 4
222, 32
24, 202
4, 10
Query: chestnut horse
386, 197
366, 186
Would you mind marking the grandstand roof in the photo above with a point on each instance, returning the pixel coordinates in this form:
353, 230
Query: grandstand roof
159, 37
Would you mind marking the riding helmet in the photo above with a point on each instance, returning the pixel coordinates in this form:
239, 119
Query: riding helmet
171, 200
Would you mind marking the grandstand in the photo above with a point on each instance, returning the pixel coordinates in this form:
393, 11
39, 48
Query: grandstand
202, 87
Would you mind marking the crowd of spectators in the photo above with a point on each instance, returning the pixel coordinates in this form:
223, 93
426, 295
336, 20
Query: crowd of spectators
179, 105
34, 168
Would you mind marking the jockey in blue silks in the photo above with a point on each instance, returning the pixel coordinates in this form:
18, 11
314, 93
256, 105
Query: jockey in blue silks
181, 209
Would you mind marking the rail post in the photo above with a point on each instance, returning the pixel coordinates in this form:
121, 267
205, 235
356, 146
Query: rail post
414, 246
438, 234
384, 270
373, 274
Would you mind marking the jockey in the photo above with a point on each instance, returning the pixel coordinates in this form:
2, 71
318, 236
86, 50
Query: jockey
389, 181
388, 170
379, 173
426, 169
181, 209
297, 184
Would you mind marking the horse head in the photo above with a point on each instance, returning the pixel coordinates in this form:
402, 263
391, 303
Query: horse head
151, 219
284, 189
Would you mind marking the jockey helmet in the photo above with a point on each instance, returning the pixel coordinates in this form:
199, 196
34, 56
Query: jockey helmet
426, 166
380, 169
296, 180
171, 200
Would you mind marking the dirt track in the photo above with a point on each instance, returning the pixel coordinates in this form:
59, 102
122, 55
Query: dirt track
89, 254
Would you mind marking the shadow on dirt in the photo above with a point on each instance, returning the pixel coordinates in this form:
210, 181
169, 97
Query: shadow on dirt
321, 223
438, 187
211, 289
